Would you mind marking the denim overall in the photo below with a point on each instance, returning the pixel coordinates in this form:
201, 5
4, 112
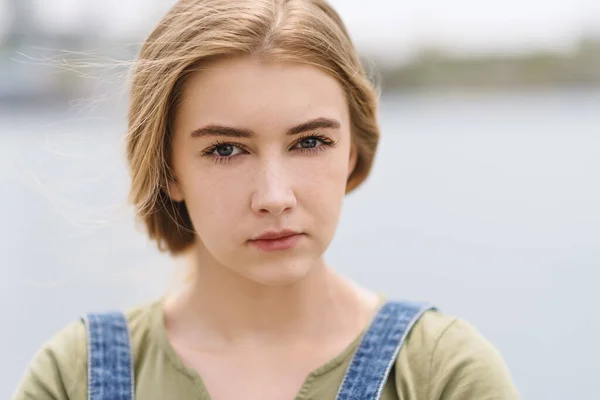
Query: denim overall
110, 360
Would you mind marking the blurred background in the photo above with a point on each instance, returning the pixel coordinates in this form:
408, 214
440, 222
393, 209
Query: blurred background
484, 198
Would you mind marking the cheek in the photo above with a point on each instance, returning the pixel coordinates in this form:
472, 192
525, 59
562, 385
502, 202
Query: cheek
216, 201
323, 186
326, 177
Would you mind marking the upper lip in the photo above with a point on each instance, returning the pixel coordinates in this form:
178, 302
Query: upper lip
272, 235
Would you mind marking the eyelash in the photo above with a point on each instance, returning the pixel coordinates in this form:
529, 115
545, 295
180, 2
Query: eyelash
326, 143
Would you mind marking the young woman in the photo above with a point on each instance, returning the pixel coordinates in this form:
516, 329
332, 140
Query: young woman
249, 121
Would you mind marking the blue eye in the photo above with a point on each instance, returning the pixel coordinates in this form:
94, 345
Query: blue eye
225, 150
309, 143
313, 143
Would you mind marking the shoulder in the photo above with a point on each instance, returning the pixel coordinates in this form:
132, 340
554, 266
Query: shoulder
445, 357
59, 368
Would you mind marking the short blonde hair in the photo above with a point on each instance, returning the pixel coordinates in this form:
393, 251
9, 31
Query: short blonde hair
195, 32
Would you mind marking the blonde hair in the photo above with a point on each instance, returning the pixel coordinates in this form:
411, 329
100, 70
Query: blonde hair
195, 32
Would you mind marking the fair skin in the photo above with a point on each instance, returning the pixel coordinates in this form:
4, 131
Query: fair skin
262, 148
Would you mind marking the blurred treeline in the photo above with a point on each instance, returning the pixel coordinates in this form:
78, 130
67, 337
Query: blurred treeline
435, 68
38, 68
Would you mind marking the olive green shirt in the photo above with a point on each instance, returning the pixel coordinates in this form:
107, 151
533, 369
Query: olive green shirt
442, 358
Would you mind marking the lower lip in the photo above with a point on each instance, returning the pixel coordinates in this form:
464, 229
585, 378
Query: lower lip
283, 243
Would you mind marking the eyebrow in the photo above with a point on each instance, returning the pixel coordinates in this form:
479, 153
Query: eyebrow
219, 130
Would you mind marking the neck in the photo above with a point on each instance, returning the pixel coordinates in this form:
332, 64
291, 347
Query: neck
220, 302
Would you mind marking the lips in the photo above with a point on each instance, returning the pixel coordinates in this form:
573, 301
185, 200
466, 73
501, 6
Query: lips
273, 235
276, 240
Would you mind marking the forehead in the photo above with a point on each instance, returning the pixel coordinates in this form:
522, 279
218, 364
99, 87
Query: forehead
246, 91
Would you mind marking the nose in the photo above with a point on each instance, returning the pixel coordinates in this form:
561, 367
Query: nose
273, 194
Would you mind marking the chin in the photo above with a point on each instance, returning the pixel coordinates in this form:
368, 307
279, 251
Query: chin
282, 272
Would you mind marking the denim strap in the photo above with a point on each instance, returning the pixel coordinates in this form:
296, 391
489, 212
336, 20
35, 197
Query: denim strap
110, 366
378, 350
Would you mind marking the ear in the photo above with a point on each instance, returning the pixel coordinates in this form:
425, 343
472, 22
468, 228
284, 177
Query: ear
353, 159
174, 190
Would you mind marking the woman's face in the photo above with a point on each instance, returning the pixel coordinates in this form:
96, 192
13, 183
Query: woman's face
262, 150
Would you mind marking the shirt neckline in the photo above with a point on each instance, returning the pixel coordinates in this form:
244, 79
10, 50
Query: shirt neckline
158, 327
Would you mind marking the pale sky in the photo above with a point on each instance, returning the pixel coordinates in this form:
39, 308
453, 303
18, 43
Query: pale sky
470, 25
378, 25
